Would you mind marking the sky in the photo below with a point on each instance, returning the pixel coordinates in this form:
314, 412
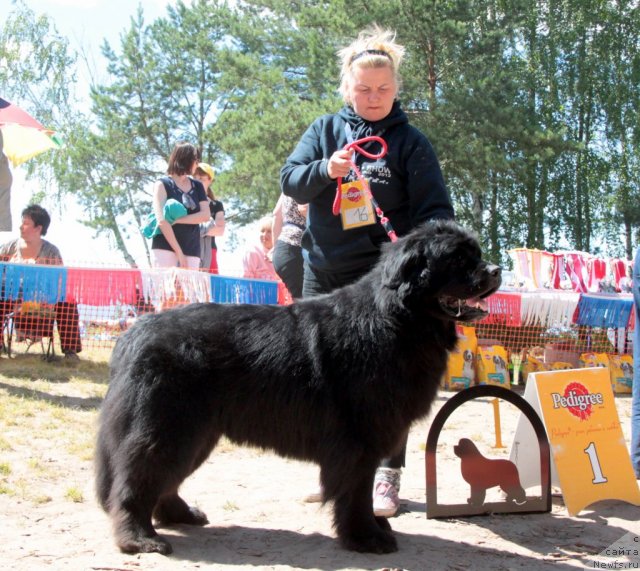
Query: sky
86, 24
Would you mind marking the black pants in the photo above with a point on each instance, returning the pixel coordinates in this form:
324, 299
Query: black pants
317, 282
287, 262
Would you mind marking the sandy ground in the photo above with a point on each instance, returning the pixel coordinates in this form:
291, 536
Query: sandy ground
258, 520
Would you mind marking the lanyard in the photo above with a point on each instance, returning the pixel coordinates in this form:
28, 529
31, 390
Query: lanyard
355, 145
348, 133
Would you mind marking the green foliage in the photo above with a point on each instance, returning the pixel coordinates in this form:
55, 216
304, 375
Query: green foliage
35, 63
37, 73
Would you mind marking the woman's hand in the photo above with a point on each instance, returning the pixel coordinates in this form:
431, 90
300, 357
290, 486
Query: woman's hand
339, 163
182, 260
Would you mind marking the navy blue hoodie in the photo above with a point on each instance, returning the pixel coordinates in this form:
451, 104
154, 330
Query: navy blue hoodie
407, 183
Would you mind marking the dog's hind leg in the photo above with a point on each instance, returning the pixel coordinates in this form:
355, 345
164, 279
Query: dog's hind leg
357, 527
145, 485
104, 473
171, 508
131, 514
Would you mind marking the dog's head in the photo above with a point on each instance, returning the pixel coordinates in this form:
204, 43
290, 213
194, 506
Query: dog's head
627, 369
465, 447
439, 267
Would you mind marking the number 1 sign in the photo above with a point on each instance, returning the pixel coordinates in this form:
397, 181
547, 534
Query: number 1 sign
590, 460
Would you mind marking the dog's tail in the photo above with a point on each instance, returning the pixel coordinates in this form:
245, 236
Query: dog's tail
103, 472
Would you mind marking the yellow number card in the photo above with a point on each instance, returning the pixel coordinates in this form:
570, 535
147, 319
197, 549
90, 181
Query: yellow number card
587, 444
355, 207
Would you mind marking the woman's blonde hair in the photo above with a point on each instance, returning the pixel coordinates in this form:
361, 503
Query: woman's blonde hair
265, 222
373, 48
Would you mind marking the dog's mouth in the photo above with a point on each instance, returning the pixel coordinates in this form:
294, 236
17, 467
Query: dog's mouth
470, 309
469, 303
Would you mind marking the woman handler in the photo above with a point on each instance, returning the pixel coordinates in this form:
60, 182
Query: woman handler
406, 183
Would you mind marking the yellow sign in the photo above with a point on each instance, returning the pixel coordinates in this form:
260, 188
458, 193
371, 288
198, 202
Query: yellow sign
587, 444
355, 206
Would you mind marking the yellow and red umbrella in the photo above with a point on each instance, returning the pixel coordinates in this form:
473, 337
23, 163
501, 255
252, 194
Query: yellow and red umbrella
24, 137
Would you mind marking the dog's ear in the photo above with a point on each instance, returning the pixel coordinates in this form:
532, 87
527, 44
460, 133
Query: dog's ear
406, 268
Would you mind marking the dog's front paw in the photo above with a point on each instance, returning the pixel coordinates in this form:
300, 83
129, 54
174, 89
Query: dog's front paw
383, 523
377, 542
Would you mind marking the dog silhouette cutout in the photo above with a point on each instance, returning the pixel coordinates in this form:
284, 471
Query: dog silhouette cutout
483, 473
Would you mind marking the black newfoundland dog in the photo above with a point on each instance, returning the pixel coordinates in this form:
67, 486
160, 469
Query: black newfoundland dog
336, 380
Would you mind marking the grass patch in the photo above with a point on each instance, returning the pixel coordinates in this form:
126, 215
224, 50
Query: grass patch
82, 449
75, 495
35, 464
48, 419
230, 506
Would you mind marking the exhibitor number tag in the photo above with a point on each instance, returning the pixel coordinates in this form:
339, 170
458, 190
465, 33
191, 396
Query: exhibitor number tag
355, 207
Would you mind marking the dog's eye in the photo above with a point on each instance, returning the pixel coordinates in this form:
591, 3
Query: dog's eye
459, 261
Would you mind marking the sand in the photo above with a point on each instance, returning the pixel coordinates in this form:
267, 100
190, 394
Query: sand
258, 519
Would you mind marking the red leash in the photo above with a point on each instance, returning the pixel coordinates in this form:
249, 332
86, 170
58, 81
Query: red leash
365, 185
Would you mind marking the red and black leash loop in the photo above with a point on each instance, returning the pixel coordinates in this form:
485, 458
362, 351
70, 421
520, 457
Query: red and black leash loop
355, 145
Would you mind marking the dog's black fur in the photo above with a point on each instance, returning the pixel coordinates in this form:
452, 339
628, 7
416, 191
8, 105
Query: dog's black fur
336, 379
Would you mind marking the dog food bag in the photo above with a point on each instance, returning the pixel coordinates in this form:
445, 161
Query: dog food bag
594, 360
461, 370
560, 366
491, 366
621, 371
532, 365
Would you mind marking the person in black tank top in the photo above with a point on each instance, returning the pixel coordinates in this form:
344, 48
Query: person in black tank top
179, 244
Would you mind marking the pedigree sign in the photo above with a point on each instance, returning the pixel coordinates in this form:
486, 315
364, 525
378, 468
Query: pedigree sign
587, 444
577, 400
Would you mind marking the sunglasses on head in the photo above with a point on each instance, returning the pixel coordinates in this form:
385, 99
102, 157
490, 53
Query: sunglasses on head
187, 201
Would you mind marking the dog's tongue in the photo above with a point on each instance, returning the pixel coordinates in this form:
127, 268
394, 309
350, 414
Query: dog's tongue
477, 302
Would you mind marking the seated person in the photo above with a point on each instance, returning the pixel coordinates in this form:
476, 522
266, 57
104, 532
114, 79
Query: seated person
31, 248
256, 261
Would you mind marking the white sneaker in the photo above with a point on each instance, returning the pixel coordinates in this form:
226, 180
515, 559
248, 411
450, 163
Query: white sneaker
386, 487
